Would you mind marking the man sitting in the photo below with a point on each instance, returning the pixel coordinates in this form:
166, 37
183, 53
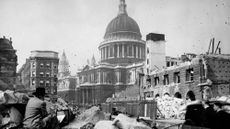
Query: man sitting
36, 116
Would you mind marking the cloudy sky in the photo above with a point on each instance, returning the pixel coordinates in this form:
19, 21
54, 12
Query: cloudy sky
78, 26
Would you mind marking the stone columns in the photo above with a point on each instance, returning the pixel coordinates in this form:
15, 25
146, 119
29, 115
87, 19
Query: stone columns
133, 54
127, 51
83, 96
139, 55
87, 96
118, 51
92, 91
136, 51
104, 78
118, 76
99, 76
113, 51
103, 53
108, 52
123, 50
141, 52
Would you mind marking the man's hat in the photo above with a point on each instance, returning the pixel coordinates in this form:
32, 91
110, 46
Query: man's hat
40, 91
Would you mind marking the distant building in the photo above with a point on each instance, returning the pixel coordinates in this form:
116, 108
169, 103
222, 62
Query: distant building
63, 67
24, 74
8, 64
41, 70
66, 89
66, 83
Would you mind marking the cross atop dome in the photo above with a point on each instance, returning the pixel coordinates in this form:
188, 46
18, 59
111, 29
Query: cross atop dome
122, 8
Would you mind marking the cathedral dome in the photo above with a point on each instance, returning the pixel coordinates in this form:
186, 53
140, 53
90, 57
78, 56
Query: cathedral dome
122, 25
122, 44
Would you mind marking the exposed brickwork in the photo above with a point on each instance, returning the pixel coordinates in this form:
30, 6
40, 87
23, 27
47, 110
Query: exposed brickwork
217, 71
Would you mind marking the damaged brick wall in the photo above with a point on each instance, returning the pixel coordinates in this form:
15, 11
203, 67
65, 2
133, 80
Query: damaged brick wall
215, 68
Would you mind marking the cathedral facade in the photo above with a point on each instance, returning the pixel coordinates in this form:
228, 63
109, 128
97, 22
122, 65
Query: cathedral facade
122, 58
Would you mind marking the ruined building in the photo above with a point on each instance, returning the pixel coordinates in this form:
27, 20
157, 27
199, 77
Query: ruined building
211, 70
8, 64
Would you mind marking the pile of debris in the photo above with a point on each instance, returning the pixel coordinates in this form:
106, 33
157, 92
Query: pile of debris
169, 107
12, 106
122, 121
88, 118
92, 115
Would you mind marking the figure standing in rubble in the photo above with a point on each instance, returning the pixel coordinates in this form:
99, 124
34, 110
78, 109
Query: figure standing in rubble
36, 116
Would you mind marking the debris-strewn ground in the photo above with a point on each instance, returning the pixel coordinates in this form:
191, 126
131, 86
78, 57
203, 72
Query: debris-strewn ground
91, 115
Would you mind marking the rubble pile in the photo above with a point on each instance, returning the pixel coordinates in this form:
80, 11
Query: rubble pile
121, 122
169, 107
88, 118
92, 115
88, 126
12, 106
58, 105
11, 97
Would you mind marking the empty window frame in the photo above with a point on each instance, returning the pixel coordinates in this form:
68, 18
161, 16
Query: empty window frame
41, 74
33, 65
47, 83
41, 83
166, 79
189, 74
176, 77
168, 64
33, 74
41, 65
33, 82
48, 65
47, 74
156, 80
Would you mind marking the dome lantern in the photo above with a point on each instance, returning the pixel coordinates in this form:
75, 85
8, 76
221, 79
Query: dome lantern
122, 7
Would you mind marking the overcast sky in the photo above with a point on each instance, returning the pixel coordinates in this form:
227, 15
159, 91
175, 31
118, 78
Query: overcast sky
78, 26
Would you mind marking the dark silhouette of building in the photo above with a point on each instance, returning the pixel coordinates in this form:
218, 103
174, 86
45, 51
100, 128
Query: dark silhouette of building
8, 64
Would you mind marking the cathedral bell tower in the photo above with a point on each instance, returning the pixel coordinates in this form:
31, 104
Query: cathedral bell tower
63, 68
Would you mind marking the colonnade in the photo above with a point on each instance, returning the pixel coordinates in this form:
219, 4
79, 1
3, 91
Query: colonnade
122, 51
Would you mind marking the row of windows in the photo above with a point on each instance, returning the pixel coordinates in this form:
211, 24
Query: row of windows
41, 82
176, 78
42, 65
42, 74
